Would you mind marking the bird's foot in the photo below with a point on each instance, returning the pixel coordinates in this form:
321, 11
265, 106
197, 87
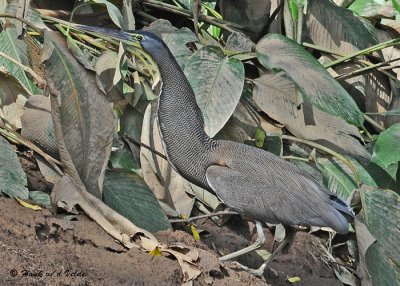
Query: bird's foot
259, 272
256, 245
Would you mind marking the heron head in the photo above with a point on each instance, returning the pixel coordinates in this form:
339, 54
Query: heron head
150, 42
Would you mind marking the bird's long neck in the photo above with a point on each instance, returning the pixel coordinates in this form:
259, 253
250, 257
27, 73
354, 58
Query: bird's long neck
181, 122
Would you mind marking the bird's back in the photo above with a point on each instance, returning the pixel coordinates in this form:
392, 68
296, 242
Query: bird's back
267, 188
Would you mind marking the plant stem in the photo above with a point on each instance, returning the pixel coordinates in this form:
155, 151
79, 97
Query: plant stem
366, 51
365, 69
129, 139
295, 158
26, 22
373, 123
190, 219
299, 35
338, 56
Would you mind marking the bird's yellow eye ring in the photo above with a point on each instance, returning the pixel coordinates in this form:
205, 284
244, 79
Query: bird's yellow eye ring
139, 37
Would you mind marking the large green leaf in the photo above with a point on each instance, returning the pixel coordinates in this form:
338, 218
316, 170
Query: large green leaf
371, 8
337, 29
340, 179
13, 180
381, 214
128, 194
16, 49
86, 115
312, 80
335, 179
277, 96
387, 150
218, 83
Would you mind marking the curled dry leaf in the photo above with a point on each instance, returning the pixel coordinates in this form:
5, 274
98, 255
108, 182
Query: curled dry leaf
86, 115
12, 99
170, 188
186, 256
68, 193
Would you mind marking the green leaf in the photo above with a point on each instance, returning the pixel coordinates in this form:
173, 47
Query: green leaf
386, 152
113, 11
381, 214
396, 5
294, 10
260, 137
16, 49
340, 179
13, 180
128, 194
40, 198
277, 96
273, 143
122, 159
335, 179
312, 80
218, 83
365, 8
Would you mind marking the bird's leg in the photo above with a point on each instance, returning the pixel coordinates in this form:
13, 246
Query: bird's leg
260, 240
285, 242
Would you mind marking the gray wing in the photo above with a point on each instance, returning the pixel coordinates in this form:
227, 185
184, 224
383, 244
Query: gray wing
267, 188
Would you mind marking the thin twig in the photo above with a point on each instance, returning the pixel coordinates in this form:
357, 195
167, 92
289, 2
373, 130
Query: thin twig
190, 219
339, 56
130, 139
295, 158
366, 51
364, 70
26, 22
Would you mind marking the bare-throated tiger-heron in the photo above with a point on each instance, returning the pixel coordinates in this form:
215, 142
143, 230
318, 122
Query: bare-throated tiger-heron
249, 180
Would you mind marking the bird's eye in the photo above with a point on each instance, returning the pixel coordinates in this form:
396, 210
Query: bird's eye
139, 37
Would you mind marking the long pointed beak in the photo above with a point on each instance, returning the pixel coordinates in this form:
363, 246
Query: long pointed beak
129, 38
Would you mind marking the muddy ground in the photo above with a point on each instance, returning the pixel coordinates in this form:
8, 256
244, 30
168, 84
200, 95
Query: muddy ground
40, 248
45, 248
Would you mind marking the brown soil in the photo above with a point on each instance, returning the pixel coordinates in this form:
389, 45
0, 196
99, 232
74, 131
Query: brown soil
42, 248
